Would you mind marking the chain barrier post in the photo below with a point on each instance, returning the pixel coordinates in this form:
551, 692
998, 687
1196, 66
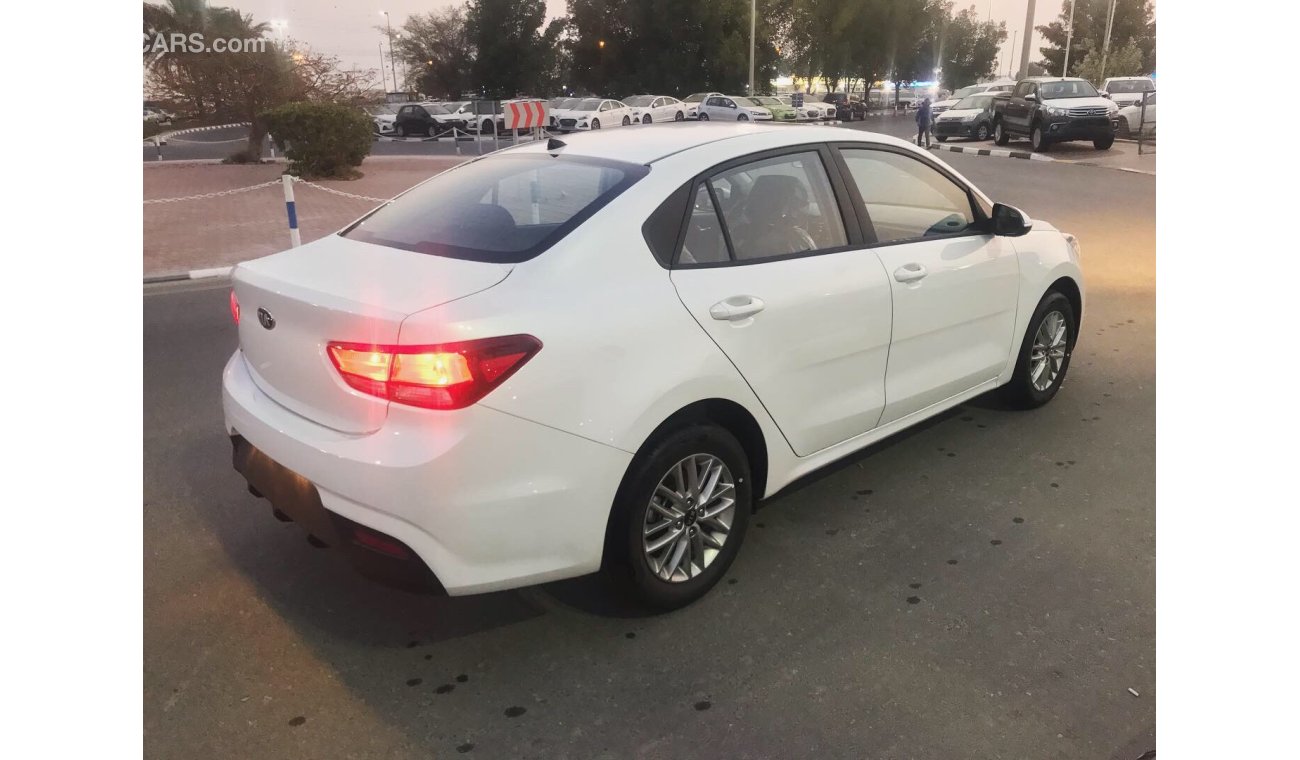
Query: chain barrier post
294, 237
455, 139
157, 145
271, 140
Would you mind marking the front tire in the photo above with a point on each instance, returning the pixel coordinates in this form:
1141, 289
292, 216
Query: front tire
680, 516
595, 123
679, 116
1000, 136
982, 133
1044, 353
646, 119
704, 117
941, 138
400, 131
1104, 143
742, 117
1039, 140
627, 120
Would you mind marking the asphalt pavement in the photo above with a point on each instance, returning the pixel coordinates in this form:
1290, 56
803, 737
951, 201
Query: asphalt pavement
983, 586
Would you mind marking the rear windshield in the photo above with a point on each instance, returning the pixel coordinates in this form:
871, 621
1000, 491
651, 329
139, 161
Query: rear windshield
504, 209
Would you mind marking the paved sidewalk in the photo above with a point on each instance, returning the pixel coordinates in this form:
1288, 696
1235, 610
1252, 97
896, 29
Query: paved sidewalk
221, 231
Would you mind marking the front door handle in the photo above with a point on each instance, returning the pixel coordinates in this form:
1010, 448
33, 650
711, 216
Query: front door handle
910, 272
736, 308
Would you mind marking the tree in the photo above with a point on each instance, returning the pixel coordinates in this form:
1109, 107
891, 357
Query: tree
968, 48
436, 48
1122, 61
239, 85
670, 45
1134, 20
507, 40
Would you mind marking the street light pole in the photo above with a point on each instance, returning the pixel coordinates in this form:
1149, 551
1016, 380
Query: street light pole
393, 64
1024, 43
752, 14
1105, 47
1012, 60
383, 80
1069, 36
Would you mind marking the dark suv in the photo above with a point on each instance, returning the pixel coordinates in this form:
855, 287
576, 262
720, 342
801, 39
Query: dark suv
1049, 110
846, 108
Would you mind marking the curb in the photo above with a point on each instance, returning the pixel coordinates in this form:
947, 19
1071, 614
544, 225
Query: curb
993, 152
164, 136
193, 274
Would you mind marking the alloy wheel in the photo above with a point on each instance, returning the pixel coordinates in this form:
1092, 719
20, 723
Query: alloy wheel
689, 518
983, 133
1048, 352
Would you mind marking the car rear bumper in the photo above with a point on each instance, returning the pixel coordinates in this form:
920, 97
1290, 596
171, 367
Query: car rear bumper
483, 499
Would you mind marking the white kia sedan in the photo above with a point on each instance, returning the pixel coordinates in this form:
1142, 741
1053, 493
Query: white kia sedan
603, 351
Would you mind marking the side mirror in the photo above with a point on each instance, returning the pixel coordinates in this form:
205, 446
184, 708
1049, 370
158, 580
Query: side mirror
731, 105
1009, 221
1104, 94
1031, 96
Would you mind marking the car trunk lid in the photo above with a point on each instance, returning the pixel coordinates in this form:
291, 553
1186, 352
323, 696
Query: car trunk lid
293, 304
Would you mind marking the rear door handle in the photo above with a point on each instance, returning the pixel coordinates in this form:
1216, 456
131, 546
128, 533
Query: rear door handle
736, 308
910, 272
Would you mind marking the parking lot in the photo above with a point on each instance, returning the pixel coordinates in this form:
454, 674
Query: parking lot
983, 586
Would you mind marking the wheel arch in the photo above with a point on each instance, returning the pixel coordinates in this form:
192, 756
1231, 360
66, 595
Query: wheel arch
725, 413
1067, 287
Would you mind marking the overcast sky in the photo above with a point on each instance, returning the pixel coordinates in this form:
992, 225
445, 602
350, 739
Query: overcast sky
345, 27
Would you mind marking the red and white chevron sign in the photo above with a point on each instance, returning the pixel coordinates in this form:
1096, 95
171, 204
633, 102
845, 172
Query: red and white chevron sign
525, 114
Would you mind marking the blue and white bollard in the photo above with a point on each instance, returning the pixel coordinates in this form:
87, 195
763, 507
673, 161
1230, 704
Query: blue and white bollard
294, 237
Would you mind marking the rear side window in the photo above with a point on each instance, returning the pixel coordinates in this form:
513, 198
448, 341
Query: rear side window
779, 206
503, 209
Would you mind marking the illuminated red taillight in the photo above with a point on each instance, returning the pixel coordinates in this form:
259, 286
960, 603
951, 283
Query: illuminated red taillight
234, 306
444, 376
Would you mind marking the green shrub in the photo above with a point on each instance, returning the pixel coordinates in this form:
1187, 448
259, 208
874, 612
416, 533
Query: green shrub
320, 139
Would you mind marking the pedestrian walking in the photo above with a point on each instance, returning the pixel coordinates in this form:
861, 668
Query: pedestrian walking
923, 121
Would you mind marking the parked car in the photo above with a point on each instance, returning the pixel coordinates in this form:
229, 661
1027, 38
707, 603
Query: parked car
810, 110
781, 111
939, 106
383, 116
732, 108
971, 117
158, 115
1055, 109
693, 102
595, 113
647, 109
563, 106
428, 118
464, 390
1127, 91
1133, 122
846, 108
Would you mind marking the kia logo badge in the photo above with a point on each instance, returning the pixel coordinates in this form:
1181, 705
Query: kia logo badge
266, 319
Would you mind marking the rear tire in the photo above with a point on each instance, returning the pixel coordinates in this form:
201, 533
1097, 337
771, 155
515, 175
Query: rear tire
1027, 389
1000, 136
638, 519
941, 138
679, 116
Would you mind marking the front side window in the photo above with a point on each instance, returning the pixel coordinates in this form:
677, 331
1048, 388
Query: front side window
779, 206
1023, 89
504, 209
907, 199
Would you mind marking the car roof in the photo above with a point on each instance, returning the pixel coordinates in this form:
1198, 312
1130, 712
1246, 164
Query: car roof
1053, 79
648, 144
